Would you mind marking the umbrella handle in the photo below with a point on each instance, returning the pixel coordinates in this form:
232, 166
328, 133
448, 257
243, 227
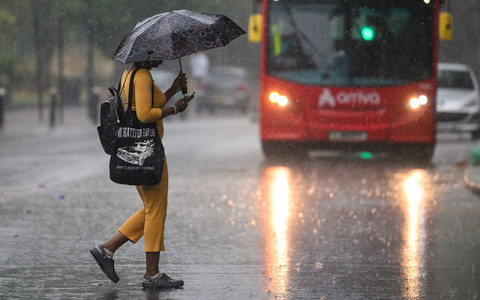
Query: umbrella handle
184, 88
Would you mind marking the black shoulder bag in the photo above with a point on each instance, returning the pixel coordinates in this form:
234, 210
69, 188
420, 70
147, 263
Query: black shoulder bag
139, 154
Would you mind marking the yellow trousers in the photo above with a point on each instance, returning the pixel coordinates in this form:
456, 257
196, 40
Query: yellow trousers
150, 220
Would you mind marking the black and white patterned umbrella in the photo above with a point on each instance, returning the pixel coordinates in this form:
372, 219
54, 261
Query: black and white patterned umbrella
176, 34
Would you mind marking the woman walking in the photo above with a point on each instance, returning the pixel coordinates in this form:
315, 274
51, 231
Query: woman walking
149, 221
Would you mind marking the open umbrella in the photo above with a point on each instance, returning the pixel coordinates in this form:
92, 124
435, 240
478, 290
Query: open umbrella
174, 34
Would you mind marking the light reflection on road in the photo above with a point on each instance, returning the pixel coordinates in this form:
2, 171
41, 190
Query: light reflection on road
414, 233
412, 192
278, 198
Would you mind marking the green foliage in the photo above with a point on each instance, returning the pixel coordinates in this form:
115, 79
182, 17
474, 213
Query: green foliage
8, 33
110, 21
8, 25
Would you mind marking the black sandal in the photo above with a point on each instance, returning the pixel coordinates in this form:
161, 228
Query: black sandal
163, 281
105, 263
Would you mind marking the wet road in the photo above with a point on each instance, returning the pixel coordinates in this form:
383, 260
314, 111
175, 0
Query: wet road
331, 227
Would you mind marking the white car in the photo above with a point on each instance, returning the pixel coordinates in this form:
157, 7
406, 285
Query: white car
225, 87
137, 153
458, 99
163, 78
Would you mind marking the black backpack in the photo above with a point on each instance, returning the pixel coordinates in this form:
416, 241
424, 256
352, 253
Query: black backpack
111, 114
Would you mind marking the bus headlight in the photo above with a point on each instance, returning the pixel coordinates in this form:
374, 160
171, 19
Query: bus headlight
417, 102
275, 97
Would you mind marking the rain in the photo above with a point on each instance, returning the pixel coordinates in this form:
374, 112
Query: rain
271, 193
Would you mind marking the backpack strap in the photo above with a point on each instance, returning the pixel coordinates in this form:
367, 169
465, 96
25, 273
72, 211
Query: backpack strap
120, 84
118, 94
152, 87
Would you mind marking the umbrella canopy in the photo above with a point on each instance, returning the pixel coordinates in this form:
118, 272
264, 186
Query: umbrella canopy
176, 34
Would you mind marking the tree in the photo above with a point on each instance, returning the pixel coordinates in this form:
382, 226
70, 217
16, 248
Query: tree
43, 21
8, 23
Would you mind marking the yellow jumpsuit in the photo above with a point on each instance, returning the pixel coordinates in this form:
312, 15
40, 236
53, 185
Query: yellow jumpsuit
150, 220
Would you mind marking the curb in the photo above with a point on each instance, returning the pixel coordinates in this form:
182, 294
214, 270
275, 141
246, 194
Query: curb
471, 185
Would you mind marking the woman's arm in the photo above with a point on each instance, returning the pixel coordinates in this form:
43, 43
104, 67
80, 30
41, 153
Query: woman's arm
168, 111
143, 98
179, 106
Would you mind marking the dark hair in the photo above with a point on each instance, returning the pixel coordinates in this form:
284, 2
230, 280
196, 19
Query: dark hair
145, 64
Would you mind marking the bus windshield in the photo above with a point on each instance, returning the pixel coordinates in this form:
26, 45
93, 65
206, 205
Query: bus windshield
350, 43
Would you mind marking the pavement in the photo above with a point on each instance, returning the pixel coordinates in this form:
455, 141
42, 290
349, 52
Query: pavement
50, 221
56, 203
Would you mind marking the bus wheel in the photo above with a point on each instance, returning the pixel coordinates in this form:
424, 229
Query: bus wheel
283, 151
418, 154
475, 135
424, 154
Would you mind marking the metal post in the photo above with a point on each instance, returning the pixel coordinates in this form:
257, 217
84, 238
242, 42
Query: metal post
95, 98
53, 93
3, 94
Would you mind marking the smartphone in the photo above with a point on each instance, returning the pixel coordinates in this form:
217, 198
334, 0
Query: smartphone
190, 99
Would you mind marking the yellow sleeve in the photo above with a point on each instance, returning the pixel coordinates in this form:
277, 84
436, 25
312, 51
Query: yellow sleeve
143, 98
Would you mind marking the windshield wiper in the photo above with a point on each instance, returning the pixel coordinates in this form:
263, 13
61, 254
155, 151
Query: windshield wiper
300, 34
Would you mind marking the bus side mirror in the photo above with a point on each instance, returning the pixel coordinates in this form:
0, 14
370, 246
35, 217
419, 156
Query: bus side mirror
445, 26
255, 25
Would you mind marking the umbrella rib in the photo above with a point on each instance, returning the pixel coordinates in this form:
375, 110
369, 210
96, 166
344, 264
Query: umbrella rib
198, 18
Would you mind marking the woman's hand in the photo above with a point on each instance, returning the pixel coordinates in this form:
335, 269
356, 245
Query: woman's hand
177, 84
182, 104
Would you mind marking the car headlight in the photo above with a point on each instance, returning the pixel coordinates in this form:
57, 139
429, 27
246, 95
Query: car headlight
473, 102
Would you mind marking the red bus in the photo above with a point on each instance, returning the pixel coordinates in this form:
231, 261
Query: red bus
348, 75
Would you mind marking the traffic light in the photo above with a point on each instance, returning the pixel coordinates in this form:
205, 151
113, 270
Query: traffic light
368, 33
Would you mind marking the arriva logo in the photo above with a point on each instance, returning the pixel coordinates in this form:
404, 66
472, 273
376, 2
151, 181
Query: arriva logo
350, 98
